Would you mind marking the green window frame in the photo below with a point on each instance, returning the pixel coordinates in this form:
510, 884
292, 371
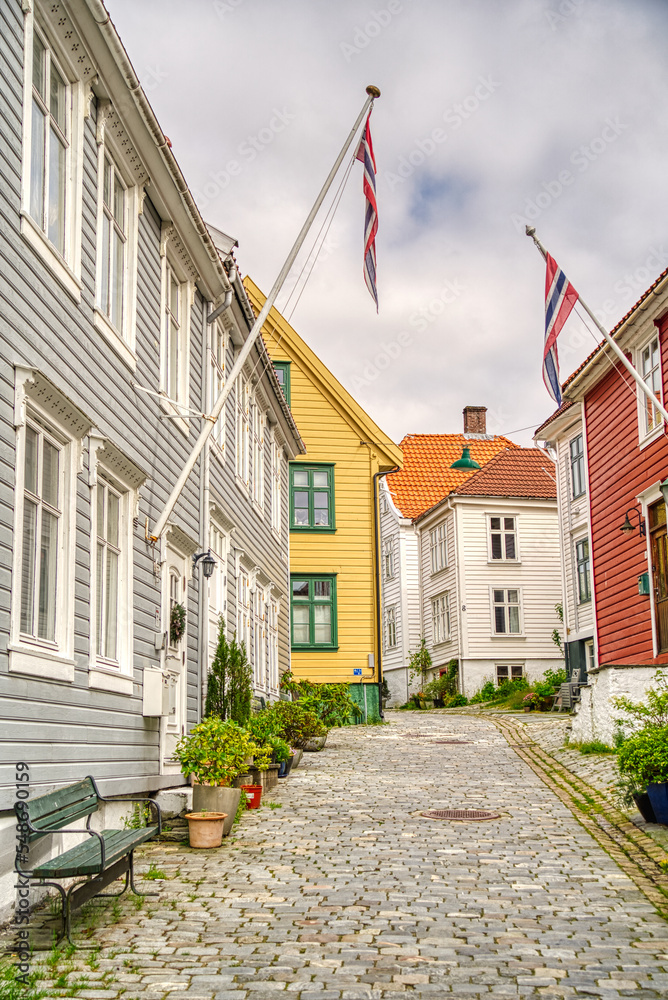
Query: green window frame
282, 369
312, 497
313, 611
583, 570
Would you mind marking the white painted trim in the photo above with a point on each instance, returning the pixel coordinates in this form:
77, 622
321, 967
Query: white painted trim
37, 662
646, 438
504, 636
649, 496
109, 680
583, 416
113, 337
517, 561
187, 290
61, 272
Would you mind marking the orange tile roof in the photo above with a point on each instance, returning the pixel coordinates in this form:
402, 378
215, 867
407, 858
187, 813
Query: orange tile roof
426, 476
516, 472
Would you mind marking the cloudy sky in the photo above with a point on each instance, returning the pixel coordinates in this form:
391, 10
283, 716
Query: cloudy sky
491, 114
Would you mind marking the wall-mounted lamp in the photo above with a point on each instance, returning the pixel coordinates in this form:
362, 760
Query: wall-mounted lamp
628, 527
208, 563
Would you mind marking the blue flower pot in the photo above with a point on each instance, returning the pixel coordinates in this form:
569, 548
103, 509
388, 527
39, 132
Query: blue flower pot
283, 769
658, 796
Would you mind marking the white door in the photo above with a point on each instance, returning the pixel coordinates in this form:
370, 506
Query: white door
174, 616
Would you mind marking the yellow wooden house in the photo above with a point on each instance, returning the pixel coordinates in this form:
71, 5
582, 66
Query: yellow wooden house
334, 559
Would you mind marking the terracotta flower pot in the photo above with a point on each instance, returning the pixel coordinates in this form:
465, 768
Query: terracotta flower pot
205, 829
217, 798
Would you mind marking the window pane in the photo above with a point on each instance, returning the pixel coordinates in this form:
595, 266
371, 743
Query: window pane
500, 619
516, 672
321, 508
300, 477
321, 479
101, 527
510, 546
512, 597
56, 229
28, 566
112, 518
117, 281
496, 547
110, 618
300, 624
280, 376
300, 588
509, 523
38, 65
106, 265
46, 619
106, 194
498, 597
173, 349
301, 508
32, 445
50, 474
57, 103
495, 522
37, 165
119, 203
514, 619
501, 672
173, 297
100, 590
322, 620
322, 588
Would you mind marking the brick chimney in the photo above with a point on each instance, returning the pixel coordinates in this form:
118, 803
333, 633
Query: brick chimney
475, 421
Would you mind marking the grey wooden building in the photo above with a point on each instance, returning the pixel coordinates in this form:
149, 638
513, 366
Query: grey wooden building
108, 276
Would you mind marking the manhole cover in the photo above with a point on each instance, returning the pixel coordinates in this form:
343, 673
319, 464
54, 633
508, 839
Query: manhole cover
452, 741
460, 814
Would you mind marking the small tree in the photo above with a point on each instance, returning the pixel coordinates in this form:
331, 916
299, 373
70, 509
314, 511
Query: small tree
229, 688
419, 663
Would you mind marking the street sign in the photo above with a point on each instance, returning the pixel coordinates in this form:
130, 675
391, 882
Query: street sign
357, 671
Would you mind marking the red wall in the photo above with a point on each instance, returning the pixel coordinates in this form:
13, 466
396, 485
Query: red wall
618, 471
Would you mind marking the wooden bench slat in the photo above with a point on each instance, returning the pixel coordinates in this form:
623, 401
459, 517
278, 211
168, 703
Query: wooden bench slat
55, 810
84, 859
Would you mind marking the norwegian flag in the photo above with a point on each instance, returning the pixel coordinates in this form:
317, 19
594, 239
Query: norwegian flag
365, 154
560, 297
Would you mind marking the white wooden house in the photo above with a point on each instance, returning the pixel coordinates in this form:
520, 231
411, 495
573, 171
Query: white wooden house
490, 573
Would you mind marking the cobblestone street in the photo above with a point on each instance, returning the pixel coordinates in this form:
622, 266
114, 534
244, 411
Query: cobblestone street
345, 891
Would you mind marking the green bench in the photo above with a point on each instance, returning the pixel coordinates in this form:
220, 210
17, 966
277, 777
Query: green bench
104, 857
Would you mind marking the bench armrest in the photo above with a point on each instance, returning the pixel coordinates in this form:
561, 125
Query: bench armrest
152, 802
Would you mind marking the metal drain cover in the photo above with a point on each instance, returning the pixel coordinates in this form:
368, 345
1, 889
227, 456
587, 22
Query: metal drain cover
460, 814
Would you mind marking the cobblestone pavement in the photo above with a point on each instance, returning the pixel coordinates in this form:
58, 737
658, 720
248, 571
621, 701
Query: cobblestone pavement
346, 892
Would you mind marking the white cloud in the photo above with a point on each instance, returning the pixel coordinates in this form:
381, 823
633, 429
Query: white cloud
558, 74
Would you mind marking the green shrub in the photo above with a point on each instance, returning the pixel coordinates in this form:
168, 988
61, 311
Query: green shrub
264, 728
591, 746
229, 689
331, 703
216, 752
644, 757
294, 723
456, 700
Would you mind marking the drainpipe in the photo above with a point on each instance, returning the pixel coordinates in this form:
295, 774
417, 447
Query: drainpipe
227, 301
379, 617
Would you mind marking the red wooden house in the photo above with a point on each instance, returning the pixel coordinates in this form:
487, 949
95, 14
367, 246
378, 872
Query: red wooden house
626, 462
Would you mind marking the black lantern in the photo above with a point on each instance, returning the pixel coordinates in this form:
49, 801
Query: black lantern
628, 527
208, 563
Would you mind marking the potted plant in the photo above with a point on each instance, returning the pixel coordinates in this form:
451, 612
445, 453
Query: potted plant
205, 828
644, 758
295, 724
529, 701
215, 752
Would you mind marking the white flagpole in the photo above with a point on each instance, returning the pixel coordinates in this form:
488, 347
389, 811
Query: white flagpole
530, 231
210, 420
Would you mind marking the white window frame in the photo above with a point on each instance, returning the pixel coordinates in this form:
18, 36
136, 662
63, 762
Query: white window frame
647, 434
388, 558
243, 626
29, 655
438, 548
176, 408
122, 337
440, 618
580, 458
273, 679
580, 600
506, 604
242, 432
258, 427
259, 634
391, 627
217, 376
503, 532
65, 267
276, 485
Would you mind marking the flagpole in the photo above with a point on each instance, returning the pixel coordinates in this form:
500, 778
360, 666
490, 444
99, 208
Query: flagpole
210, 420
530, 231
